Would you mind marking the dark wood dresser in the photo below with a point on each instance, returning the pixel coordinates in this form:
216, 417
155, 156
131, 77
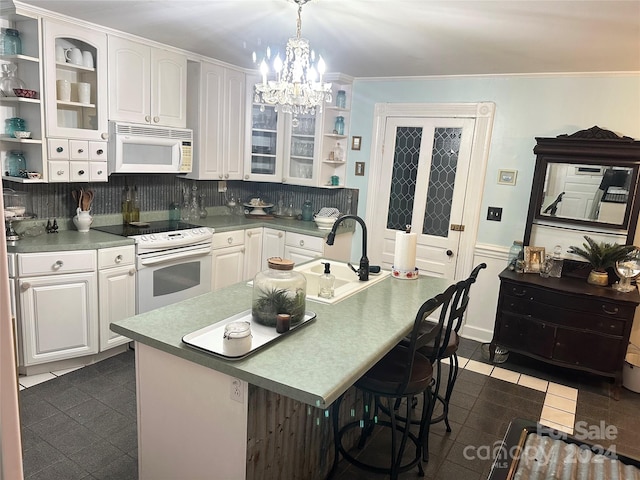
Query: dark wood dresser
565, 321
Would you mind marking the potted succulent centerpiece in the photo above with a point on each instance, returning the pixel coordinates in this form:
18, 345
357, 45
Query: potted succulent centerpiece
601, 256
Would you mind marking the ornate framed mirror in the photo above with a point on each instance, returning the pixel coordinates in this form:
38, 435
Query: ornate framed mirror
587, 183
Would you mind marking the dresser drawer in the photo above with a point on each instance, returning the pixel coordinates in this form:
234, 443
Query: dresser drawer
116, 256
610, 325
228, 239
580, 303
54, 263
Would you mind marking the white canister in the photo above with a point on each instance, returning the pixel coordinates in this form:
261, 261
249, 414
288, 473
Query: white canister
84, 92
87, 59
63, 88
60, 57
236, 340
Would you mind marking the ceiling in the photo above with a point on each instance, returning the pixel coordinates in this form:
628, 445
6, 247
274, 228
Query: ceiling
389, 38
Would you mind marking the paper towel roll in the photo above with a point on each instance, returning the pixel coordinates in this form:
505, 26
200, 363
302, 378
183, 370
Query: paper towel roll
404, 257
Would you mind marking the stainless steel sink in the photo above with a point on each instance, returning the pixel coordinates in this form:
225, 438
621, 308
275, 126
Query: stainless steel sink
346, 284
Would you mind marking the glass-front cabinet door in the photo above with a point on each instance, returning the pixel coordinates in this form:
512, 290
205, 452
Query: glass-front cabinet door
75, 81
300, 152
264, 157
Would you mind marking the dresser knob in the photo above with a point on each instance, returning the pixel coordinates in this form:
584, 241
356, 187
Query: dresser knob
25, 286
58, 265
132, 272
99, 151
118, 259
59, 149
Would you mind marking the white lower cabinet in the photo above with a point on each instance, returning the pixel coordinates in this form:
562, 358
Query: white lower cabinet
272, 245
228, 259
116, 291
58, 305
253, 243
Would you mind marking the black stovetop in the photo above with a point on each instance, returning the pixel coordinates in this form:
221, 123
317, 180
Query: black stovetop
146, 228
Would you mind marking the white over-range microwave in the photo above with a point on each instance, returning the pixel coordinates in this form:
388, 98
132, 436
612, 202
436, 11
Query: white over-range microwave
138, 148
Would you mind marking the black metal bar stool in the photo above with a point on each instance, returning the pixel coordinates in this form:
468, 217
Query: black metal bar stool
448, 343
402, 374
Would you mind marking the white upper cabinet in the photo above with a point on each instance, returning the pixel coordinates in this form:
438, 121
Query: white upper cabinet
75, 73
299, 149
215, 111
146, 84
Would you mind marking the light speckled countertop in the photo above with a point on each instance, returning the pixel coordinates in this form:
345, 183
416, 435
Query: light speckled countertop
314, 364
70, 239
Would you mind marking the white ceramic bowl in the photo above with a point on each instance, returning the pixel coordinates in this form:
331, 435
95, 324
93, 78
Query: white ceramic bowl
325, 223
22, 134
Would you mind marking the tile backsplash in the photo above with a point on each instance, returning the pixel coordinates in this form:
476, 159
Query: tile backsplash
156, 192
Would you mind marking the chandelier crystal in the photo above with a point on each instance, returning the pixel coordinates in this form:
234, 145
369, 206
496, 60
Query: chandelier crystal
297, 87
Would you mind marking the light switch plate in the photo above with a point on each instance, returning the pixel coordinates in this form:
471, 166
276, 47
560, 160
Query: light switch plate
494, 214
359, 169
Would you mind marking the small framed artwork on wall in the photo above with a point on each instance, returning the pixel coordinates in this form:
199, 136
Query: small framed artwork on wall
507, 177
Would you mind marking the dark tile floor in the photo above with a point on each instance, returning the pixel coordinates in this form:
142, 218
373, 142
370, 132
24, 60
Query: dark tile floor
82, 425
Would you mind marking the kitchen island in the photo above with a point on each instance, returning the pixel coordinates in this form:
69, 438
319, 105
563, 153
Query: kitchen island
265, 416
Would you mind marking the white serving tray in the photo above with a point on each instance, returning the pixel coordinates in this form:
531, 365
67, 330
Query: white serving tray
210, 339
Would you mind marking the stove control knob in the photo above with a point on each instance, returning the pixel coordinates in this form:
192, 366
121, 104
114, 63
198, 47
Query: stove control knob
143, 238
152, 237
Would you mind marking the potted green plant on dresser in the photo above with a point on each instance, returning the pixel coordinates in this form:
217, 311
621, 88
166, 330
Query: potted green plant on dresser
601, 256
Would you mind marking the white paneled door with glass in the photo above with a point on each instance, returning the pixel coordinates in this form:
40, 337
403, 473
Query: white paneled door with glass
423, 184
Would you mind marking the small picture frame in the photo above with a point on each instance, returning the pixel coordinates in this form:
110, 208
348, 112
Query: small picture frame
533, 258
355, 143
507, 177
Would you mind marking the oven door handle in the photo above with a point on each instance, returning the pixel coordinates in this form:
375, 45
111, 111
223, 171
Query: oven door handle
145, 262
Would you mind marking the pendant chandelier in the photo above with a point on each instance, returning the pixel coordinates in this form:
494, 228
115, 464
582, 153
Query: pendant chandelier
297, 87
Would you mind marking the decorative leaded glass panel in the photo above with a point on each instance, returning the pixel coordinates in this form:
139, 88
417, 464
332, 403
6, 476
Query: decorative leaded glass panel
403, 177
444, 161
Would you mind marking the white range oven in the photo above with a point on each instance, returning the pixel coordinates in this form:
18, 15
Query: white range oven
174, 262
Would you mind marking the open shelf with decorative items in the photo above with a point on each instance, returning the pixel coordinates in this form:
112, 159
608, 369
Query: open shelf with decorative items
22, 110
335, 135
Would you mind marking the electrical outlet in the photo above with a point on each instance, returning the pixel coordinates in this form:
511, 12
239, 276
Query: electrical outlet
237, 392
494, 214
222, 186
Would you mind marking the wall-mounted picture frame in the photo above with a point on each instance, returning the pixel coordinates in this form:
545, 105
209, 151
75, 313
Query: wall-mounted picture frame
355, 143
507, 177
533, 258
